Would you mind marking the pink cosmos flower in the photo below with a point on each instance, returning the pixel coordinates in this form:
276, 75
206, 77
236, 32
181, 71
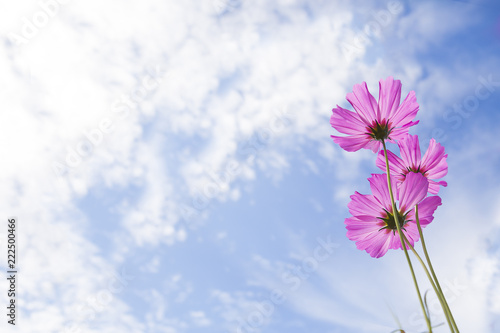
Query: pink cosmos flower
373, 122
372, 225
433, 165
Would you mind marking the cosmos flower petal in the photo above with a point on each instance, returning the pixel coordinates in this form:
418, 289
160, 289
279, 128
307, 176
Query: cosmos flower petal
435, 186
376, 246
362, 243
409, 148
438, 171
374, 146
363, 102
362, 204
351, 143
410, 215
401, 132
380, 190
396, 243
406, 111
434, 161
413, 190
361, 228
427, 208
346, 121
385, 247
366, 239
411, 232
396, 165
389, 97
379, 245
359, 232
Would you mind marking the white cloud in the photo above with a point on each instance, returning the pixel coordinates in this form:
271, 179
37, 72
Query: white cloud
199, 318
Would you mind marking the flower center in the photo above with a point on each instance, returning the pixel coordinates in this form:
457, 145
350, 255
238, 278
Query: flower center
379, 131
415, 170
390, 221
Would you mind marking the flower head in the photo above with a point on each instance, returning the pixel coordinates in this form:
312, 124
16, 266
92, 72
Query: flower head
433, 165
372, 225
373, 122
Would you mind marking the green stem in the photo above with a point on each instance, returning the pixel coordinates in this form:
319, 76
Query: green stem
440, 297
432, 271
400, 233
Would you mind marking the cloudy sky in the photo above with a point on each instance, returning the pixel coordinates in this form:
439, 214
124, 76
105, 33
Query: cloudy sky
171, 167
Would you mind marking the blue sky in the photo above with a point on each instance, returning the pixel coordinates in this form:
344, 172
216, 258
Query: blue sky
171, 166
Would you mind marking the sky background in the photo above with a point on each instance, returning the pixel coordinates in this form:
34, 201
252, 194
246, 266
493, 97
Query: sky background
171, 167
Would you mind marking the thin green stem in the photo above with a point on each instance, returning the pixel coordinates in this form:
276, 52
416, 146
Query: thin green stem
400, 233
439, 295
432, 269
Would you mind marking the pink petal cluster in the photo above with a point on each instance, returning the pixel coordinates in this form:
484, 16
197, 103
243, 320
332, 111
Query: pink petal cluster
433, 165
373, 122
372, 225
